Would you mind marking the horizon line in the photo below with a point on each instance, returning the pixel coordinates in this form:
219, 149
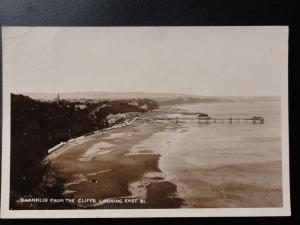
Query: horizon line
144, 92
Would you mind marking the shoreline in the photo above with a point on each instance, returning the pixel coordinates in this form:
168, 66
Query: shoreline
61, 147
139, 175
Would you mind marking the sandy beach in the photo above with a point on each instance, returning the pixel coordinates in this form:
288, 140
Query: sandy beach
169, 165
105, 166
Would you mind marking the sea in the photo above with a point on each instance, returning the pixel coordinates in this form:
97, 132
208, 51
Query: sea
222, 164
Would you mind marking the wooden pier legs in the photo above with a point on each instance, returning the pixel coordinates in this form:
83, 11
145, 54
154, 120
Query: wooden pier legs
231, 120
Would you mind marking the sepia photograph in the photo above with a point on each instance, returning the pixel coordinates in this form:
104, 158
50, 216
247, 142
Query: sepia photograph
138, 121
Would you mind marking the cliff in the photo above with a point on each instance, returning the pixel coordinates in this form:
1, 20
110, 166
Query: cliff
37, 126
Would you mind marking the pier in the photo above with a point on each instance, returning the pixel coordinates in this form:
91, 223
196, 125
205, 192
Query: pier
230, 120
208, 120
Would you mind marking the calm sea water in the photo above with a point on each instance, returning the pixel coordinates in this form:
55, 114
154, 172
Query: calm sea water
231, 165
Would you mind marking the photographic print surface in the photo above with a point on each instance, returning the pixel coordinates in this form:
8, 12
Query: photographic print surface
171, 121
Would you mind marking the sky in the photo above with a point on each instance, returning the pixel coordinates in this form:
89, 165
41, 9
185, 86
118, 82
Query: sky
211, 61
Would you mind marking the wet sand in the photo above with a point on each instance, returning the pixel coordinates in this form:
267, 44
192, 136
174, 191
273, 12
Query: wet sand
114, 171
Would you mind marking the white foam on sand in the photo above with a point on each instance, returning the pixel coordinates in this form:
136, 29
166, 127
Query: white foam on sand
99, 172
116, 135
80, 178
66, 192
96, 149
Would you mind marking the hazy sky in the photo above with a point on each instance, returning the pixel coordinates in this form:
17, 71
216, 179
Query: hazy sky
194, 60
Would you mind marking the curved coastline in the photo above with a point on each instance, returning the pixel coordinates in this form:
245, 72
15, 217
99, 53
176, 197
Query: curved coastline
132, 172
